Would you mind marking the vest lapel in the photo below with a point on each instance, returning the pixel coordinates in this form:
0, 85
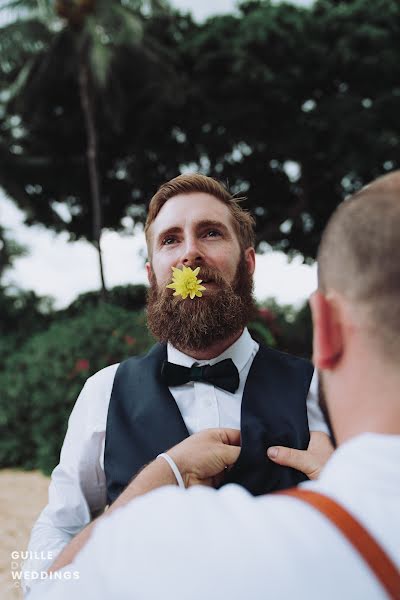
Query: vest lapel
143, 419
273, 412
157, 410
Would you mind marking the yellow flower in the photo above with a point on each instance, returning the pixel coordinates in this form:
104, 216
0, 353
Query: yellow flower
185, 282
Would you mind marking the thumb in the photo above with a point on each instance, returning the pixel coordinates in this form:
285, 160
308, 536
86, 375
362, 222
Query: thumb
230, 436
290, 457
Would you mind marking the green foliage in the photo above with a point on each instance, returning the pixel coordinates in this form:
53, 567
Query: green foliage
130, 297
41, 380
290, 326
23, 313
261, 331
295, 107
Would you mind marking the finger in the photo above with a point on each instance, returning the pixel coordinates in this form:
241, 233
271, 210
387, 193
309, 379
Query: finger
230, 454
230, 436
290, 457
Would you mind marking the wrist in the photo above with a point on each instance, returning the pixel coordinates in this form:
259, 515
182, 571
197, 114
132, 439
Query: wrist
180, 462
174, 469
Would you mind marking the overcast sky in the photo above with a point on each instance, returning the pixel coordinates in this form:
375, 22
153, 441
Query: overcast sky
203, 8
63, 270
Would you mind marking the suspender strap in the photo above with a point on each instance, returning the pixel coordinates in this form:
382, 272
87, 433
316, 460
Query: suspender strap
384, 568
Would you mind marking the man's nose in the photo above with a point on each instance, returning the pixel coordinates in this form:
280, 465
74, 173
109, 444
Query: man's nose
192, 252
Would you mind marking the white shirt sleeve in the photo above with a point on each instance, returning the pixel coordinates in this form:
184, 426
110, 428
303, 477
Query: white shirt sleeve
77, 490
316, 421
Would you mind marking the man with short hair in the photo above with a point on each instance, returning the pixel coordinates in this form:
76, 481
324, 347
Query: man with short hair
206, 372
206, 543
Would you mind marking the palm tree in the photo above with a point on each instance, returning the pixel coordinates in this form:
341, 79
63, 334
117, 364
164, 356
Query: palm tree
40, 37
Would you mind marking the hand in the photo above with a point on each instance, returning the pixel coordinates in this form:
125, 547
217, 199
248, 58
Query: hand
203, 457
310, 461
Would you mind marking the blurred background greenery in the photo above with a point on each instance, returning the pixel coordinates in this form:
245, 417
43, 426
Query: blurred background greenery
103, 100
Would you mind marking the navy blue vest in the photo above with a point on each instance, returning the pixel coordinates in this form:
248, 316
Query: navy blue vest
144, 419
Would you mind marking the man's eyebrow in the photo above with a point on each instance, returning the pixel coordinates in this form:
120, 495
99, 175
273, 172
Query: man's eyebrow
168, 231
210, 223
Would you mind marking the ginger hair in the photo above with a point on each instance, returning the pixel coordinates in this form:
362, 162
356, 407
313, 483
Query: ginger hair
192, 183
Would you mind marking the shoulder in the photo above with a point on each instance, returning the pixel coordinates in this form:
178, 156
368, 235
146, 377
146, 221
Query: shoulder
92, 404
154, 355
226, 533
283, 357
99, 386
104, 377
286, 367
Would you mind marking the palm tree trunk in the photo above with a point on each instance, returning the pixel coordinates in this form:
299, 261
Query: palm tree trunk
87, 103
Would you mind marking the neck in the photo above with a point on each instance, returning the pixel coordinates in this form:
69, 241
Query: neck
213, 350
364, 397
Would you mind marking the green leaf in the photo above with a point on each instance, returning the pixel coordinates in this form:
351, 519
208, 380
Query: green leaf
19, 83
100, 57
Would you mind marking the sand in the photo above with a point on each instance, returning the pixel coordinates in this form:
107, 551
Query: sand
22, 497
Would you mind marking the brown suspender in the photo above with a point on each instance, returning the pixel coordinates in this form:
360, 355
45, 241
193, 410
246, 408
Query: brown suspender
376, 558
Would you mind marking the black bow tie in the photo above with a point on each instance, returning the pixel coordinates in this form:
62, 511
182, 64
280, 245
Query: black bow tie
223, 374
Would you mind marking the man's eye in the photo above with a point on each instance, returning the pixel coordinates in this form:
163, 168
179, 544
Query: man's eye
213, 233
168, 241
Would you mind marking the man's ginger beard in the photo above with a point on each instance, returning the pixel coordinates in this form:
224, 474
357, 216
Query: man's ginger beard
197, 324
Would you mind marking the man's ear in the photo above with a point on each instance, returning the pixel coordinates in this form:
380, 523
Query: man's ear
250, 256
148, 271
327, 331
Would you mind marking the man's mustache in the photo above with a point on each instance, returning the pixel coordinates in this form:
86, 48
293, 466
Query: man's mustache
207, 274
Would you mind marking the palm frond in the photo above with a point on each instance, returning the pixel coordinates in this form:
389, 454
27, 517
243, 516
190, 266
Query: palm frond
22, 32
19, 42
118, 24
130, 26
100, 56
19, 11
10, 94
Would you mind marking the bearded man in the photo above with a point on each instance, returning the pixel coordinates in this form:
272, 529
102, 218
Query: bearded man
337, 537
205, 372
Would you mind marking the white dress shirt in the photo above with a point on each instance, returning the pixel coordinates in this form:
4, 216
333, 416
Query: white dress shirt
202, 543
77, 489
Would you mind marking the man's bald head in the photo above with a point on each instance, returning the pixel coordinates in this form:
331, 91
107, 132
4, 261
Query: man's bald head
359, 257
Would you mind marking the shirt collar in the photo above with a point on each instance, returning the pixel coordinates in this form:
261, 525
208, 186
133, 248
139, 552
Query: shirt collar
362, 455
240, 352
